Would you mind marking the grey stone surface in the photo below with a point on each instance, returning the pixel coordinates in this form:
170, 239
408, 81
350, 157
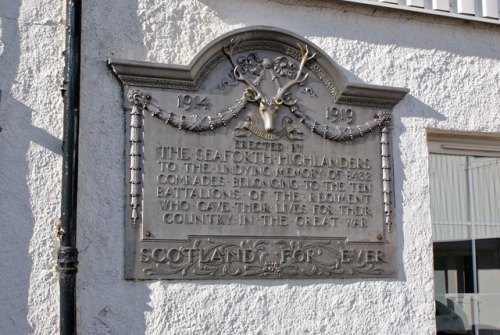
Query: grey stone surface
250, 168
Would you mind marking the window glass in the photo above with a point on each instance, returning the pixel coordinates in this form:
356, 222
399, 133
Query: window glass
485, 174
453, 267
449, 197
453, 315
465, 210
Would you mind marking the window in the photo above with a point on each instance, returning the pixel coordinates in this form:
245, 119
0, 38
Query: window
464, 175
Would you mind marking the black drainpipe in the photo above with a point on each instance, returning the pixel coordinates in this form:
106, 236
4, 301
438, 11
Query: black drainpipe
67, 256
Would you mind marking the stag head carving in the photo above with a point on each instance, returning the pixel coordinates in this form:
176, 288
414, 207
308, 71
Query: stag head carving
269, 106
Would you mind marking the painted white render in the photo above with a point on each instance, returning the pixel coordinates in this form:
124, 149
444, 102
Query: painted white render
31, 67
451, 67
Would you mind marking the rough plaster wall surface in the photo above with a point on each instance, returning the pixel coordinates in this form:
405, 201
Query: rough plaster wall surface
452, 70
31, 65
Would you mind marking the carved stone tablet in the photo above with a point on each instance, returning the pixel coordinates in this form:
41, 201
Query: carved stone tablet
258, 160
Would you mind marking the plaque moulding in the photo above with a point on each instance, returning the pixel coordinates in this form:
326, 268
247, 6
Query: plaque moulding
257, 160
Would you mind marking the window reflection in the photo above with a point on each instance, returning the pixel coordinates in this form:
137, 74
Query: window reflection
488, 266
465, 209
450, 318
453, 267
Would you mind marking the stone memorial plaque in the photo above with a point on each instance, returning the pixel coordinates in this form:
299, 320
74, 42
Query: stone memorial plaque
258, 160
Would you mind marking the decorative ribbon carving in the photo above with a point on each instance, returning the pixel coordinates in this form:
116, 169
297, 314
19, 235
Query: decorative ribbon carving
268, 106
248, 128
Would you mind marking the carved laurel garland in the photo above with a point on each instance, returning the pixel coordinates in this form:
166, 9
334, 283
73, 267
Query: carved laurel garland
197, 123
339, 134
193, 123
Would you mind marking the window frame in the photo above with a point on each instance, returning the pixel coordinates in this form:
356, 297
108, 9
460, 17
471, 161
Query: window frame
467, 144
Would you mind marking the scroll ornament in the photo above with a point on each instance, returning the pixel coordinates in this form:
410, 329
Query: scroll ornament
217, 258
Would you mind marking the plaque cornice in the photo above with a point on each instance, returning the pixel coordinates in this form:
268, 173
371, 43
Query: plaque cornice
188, 77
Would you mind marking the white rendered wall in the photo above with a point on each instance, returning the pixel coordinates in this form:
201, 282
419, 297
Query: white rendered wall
452, 69
31, 67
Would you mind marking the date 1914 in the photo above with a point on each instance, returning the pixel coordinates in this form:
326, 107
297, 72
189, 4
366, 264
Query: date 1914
187, 102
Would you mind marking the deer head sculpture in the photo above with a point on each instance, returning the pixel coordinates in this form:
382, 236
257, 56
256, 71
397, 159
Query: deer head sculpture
269, 106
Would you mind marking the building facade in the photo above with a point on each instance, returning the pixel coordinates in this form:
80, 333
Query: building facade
451, 67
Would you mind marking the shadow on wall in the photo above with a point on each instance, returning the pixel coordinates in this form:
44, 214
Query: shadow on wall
17, 227
409, 107
106, 303
16, 136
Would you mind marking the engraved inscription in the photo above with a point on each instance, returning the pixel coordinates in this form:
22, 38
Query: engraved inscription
339, 115
213, 257
265, 184
187, 102
248, 166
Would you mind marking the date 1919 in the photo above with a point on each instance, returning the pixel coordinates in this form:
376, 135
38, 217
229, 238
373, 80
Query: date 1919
339, 115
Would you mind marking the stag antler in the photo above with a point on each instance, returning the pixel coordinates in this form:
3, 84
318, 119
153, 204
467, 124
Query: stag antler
268, 107
251, 93
281, 90
229, 50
